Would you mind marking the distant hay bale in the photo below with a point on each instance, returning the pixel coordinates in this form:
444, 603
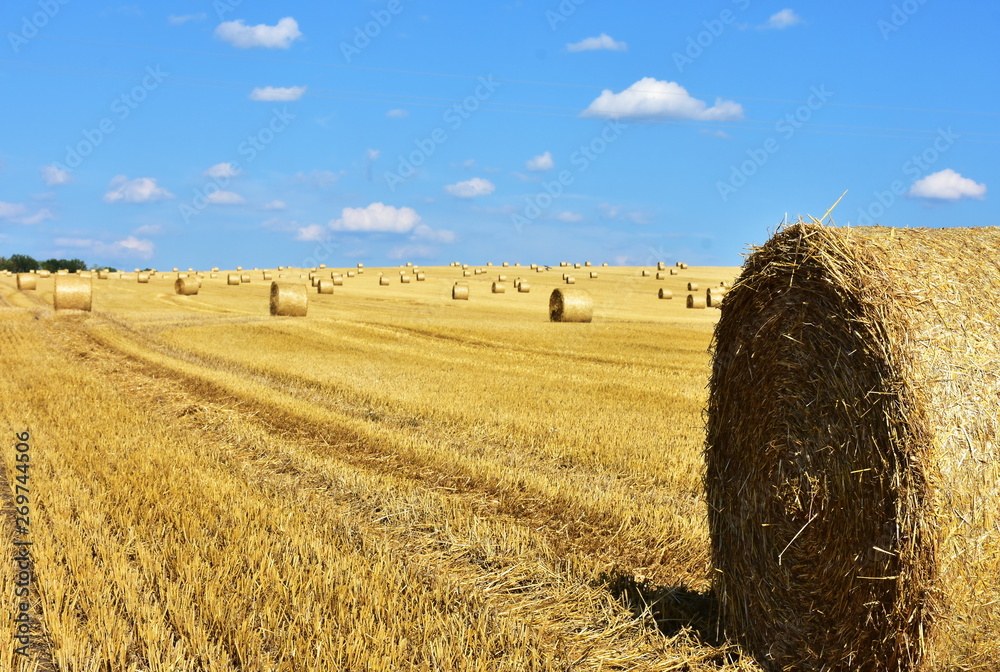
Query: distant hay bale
72, 292
186, 286
696, 301
539, 269
563, 263
675, 271
337, 279
383, 280
214, 275
692, 286
360, 265
27, 281
324, 287
523, 287
420, 277
714, 296
103, 275
661, 276
498, 288
405, 279
576, 265
501, 278
533, 266
571, 305
645, 274
289, 299
232, 279
660, 266
215, 269
44, 274
665, 294
351, 274
466, 274
177, 269
314, 281
85, 274
593, 274
604, 264
266, 275
506, 264
587, 264
322, 265
142, 278
238, 268
683, 266
460, 292
245, 278
852, 454
570, 280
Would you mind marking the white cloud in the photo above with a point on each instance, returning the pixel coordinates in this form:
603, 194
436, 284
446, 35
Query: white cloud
372, 154
130, 247
610, 211
313, 232
222, 197
412, 252
654, 98
148, 230
540, 162
274, 205
15, 212
53, 175
278, 36
424, 232
376, 217
319, 179
601, 42
11, 210
397, 113
139, 190
569, 217
786, 18
947, 185
468, 163
282, 94
133, 246
223, 170
175, 20
36, 218
477, 186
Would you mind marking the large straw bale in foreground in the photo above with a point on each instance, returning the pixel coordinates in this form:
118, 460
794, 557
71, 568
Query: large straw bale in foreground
27, 281
72, 292
289, 299
186, 286
571, 305
853, 475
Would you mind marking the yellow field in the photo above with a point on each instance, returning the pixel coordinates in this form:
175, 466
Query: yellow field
398, 481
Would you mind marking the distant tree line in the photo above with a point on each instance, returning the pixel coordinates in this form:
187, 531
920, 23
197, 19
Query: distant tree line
22, 263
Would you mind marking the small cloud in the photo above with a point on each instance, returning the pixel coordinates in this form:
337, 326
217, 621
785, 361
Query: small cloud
224, 198
397, 113
947, 185
372, 154
468, 163
11, 210
312, 233
540, 162
223, 170
274, 205
36, 218
149, 230
722, 135
376, 217
278, 36
609, 211
132, 246
569, 217
477, 186
139, 190
281, 94
129, 248
175, 20
526, 178
412, 252
650, 97
786, 18
319, 179
602, 42
54, 176
424, 232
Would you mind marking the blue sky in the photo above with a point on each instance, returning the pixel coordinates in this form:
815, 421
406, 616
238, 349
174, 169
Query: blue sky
217, 133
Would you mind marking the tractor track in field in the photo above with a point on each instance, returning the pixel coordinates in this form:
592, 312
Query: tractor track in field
567, 527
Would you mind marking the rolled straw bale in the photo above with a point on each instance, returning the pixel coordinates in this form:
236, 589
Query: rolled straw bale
314, 281
563, 263
460, 292
289, 299
660, 266
498, 288
103, 275
645, 274
692, 286
350, 274
714, 296
62, 272
523, 287
337, 280
245, 278
238, 268
402, 272
85, 274
570, 305
186, 286
586, 263
215, 269
604, 264
570, 280
540, 269
533, 266
421, 277
324, 287
27, 281
683, 266
576, 265
466, 274
282, 275
665, 294
182, 275
506, 264
72, 292
409, 264
142, 278
360, 265
44, 274
405, 279
661, 276
267, 275
853, 457
214, 275
383, 280
593, 274
177, 269
502, 278
696, 301
322, 265
675, 271
232, 279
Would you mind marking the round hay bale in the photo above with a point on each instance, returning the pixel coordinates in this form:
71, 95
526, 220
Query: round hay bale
604, 264
421, 277
186, 286
460, 292
405, 279
570, 280
324, 287
645, 274
214, 275
498, 288
576, 265
853, 456
533, 266
103, 275
660, 266
692, 286
245, 278
570, 305
142, 278
563, 263
177, 269
523, 287
322, 265
44, 274
215, 269
62, 272
683, 266
350, 274
85, 274
337, 280
501, 278
360, 265
675, 271
593, 274
72, 292
587, 264
665, 294
289, 299
314, 281
383, 280
27, 281
238, 268
540, 269
661, 276
266, 275
696, 301
466, 274
679, 264
232, 279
